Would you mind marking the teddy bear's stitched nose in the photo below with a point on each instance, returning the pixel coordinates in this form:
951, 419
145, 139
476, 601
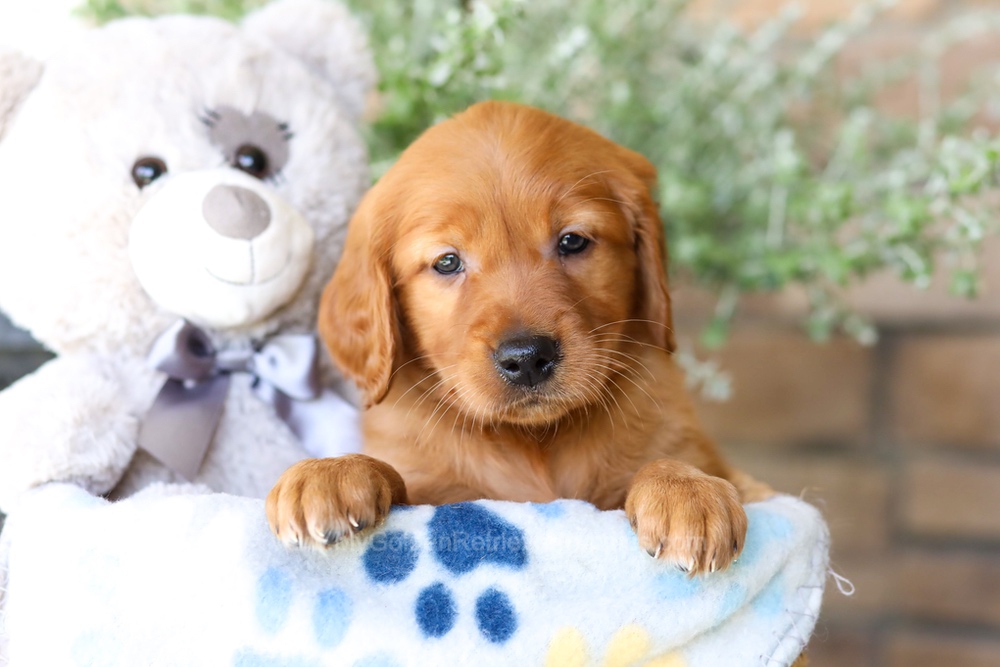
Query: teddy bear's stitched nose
236, 212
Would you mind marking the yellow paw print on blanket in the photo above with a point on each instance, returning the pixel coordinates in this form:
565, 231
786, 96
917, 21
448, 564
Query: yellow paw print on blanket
629, 647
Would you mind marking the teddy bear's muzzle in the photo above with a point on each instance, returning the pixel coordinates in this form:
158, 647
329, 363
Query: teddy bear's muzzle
219, 248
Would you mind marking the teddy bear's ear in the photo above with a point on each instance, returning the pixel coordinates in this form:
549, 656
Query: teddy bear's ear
324, 35
19, 74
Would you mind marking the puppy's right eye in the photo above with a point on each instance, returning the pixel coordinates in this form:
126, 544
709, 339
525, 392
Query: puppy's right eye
572, 244
448, 264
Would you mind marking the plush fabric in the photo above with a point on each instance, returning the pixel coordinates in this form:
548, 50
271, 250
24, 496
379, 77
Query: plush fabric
162, 579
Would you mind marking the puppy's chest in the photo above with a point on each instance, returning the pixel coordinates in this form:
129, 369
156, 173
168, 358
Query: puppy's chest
530, 471
597, 477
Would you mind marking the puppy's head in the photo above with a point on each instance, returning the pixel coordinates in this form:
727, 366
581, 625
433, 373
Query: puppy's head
516, 258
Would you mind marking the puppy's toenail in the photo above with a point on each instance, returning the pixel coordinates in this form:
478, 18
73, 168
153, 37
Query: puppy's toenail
354, 522
332, 537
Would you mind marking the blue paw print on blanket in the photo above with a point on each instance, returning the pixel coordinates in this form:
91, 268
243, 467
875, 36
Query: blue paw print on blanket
463, 537
331, 613
391, 557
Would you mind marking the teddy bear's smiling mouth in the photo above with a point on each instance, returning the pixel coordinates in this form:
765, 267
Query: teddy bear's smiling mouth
254, 280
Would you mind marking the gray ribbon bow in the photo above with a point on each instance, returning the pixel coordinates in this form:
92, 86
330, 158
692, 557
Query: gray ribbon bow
179, 426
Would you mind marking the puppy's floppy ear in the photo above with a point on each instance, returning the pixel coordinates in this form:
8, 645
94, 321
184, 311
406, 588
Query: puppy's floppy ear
357, 314
634, 185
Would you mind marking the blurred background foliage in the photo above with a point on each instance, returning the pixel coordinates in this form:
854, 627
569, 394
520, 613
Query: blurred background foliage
777, 170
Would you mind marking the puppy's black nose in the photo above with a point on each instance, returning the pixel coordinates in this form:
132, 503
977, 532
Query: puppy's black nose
527, 360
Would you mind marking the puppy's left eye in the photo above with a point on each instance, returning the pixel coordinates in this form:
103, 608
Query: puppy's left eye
571, 244
448, 264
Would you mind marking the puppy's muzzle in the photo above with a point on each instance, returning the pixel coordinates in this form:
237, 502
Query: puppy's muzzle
527, 361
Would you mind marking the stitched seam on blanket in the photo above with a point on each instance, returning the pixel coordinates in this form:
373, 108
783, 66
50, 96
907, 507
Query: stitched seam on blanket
793, 639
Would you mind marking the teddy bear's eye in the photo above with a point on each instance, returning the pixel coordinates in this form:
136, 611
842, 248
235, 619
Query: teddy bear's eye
252, 160
148, 169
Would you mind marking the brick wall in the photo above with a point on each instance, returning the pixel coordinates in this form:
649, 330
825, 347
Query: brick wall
898, 443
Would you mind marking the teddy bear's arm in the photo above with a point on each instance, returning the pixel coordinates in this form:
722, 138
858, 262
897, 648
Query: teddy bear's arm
75, 419
18, 75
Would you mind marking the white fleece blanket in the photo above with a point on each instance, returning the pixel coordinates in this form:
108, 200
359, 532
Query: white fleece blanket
199, 580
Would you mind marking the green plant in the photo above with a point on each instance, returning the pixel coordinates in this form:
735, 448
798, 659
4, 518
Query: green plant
106, 10
774, 171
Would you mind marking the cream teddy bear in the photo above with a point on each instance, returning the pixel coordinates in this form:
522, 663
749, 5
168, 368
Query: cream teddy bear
173, 196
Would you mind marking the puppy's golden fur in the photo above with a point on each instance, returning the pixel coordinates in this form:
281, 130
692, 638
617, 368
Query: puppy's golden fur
500, 186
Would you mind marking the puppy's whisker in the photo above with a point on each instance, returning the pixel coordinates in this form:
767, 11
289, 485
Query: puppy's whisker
594, 393
590, 199
442, 403
620, 390
424, 396
628, 339
404, 365
421, 381
413, 386
630, 357
630, 321
616, 335
429, 392
573, 307
637, 386
456, 403
445, 411
581, 180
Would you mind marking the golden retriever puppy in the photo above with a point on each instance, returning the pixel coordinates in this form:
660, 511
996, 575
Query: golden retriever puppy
502, 304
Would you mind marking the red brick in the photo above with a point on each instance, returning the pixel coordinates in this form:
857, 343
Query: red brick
836, 646
947, 499
957, 588
946, 390
789, 390
912, 649
814, 15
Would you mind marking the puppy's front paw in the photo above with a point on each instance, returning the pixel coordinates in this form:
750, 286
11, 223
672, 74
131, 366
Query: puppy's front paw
693, 520
321, 501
